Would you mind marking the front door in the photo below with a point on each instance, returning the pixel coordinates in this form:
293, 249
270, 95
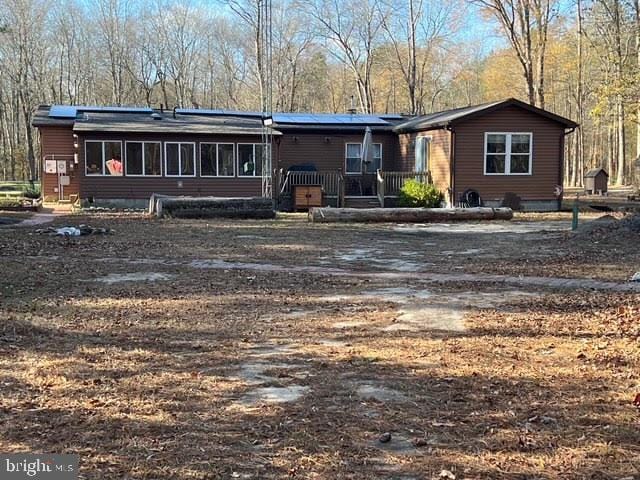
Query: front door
360, 176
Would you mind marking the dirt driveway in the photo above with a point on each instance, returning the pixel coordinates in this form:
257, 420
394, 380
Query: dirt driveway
279, 349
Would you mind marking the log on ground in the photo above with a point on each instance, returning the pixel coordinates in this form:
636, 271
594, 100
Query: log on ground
213, 207
407, 215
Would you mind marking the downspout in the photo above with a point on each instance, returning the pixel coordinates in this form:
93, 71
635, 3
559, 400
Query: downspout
452, 165
561, 164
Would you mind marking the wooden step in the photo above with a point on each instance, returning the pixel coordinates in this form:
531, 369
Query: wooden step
365, 202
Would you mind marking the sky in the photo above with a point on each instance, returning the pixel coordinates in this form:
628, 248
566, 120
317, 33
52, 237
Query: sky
478, 30
485, 33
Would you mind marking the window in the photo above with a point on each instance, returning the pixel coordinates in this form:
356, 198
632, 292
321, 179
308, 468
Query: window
179, 159
354, 163
423, 145
103, 157
507, 154
217, 159
143, 158
250, 159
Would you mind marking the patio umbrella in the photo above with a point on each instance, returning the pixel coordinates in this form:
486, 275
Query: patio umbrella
367, 148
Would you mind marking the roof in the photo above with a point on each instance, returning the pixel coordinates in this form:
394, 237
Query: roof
206, 121
448, 118
143, 120
594, 172
166, 123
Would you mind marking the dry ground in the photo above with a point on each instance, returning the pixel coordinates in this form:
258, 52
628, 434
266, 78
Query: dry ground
182, 349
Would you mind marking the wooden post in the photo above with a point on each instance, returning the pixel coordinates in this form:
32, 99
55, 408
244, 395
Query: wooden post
576, 212
341, 190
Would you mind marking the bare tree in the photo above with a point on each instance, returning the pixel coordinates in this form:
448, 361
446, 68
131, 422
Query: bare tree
415, 28
249, 12
292, 39
525, 23
23, 51
178, 28
612, 39
114, 19
353, 29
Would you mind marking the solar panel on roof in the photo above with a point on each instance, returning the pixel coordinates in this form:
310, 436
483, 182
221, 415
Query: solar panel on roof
217, 111
200, 111
71, 111
328, 119
115, 109
63, 111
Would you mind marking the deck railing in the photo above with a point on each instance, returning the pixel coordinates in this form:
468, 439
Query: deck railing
391, 182
386, 184
332, 182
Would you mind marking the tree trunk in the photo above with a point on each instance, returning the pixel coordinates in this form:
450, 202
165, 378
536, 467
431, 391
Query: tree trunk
636, 6
407, 215
620, 138
580, 98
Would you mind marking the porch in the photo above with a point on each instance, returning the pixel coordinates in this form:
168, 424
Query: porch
379, 189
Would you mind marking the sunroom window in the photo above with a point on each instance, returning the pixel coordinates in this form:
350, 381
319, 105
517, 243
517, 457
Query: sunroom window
507, 154
103, 157
143, 158
217, 159
180, 159
250, 159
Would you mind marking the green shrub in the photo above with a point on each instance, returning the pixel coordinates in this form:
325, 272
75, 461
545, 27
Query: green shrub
418, 194
32, 191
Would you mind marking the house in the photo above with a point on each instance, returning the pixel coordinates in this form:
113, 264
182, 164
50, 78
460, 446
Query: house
122, 155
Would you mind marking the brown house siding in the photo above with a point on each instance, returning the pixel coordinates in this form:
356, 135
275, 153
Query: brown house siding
439, 155
127, 187
546, 161
327, 151
58, 141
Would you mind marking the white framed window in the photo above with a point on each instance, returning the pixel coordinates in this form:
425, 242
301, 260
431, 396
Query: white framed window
422, 152
217, 159
250, 159
508, 153
353, 159
180, 159
143, 159
103, 157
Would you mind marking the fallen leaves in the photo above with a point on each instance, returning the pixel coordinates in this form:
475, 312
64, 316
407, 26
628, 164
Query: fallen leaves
535, 388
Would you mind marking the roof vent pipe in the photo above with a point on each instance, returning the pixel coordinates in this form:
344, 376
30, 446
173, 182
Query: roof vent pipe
352, 110
162, 108
174, 112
